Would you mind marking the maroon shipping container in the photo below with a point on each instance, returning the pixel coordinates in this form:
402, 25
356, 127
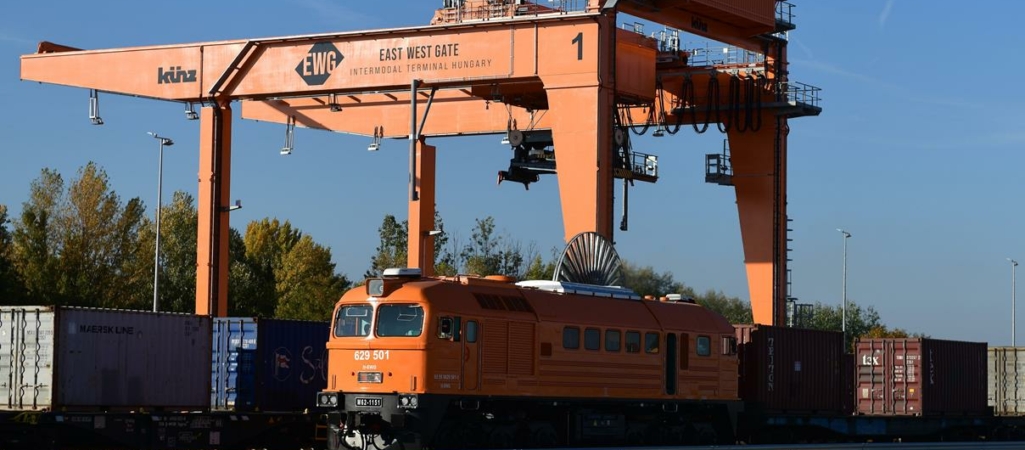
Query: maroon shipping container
898, 376
847, 371
791, 369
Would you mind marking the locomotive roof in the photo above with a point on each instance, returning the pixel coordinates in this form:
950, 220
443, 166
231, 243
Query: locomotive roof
573, 304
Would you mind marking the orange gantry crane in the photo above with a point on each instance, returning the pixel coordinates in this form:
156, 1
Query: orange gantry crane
559, 78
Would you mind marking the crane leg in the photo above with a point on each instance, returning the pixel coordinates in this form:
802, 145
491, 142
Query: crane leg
759, 176
214, 195
421, 211
583, 149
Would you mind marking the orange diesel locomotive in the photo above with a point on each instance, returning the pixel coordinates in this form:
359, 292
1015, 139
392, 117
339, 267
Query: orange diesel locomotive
483, 361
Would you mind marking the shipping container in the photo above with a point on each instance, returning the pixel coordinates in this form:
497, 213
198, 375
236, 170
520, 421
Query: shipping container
900, 376
1006, 368
85, 358
267, 364
791, 369
847, 377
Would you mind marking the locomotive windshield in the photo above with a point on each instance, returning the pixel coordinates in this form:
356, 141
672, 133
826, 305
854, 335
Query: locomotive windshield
400, 320
353, 321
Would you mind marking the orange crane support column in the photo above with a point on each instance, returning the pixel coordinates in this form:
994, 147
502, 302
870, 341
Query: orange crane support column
760, 180
581, 103
214, 192
421, 211
582, 134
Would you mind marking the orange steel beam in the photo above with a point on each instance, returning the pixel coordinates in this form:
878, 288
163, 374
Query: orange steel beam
739, 23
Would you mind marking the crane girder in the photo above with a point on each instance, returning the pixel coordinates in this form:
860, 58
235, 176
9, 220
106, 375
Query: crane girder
368, 61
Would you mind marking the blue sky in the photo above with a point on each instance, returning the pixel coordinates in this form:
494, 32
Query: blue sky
917, 153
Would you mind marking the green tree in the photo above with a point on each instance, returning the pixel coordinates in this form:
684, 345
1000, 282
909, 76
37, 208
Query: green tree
859, 320
11, 289
178, 230
80, 247
251, 287
538, 268
392, 250
489, 253
646, 281
732, 308
307, 286
35, 240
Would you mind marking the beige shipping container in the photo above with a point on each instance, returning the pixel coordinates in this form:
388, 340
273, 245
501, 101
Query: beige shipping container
65, 358
1007, 380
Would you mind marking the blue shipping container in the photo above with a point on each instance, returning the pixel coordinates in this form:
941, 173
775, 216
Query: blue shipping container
267, 364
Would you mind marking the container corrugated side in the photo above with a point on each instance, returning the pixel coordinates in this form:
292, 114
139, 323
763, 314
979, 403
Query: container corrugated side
901, 376
132, 359
26, 357
1006, 374
268, 364
791, 369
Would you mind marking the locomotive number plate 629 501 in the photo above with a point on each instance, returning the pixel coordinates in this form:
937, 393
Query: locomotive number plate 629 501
369, 401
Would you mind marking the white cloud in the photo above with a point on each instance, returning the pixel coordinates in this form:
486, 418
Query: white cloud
885, 14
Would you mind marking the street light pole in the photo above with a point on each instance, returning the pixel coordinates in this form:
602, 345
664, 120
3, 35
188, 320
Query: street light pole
160, 189
1013, 290
843, 323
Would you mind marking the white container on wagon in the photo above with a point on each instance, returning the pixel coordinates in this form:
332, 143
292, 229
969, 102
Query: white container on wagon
1007, 380
67, 358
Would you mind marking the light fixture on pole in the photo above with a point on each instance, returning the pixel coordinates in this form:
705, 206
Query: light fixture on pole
843, 322
375, 144
160, 188
1013, 290
94, 107
190, 112
289, 136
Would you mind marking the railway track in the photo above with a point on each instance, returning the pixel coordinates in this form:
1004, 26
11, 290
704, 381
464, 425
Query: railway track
858, 446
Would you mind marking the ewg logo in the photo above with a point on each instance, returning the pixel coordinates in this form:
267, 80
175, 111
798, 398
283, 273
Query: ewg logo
319, 63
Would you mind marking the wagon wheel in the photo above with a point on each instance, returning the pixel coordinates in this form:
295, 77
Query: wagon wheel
589, 258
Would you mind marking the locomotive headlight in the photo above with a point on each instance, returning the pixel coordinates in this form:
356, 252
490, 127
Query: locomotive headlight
408, 401
370, 377
327, 399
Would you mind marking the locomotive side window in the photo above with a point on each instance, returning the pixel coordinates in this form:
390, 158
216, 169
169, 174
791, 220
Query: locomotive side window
729, 345
684, 351
612, 340
633, 342
651, 343
400, 320
353, 321
448, 328
592, 339
704, 347
471, 331
571, 337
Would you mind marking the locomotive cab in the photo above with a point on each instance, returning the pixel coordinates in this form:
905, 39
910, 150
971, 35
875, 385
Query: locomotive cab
376, 356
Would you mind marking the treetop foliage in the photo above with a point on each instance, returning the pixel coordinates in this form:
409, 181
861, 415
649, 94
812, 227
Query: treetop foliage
79, 244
